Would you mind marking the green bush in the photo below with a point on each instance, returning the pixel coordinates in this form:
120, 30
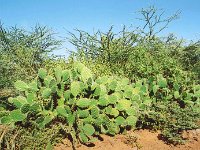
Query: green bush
131, 55
191, 58
174, 108
22, 52
28, 138
172, 118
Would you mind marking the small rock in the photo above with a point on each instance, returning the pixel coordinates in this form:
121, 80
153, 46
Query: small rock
67, 143
196, 139
198, 131
185, 135
190, 135
135, 148
111, 142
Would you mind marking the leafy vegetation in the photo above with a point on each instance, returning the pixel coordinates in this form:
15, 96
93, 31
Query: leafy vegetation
112, 83
23, 52
89, 107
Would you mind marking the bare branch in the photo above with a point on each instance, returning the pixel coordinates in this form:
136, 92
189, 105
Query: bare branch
154, 21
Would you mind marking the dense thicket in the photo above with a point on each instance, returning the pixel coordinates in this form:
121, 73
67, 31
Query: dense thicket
22, 52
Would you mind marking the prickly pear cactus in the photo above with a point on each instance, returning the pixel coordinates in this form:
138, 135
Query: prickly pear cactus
103, 105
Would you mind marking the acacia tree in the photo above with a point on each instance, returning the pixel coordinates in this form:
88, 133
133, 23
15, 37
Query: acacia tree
22, 52
127, 50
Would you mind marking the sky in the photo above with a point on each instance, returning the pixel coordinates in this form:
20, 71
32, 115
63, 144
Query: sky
91, 15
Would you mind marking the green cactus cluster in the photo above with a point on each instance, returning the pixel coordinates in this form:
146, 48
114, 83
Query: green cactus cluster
88, 105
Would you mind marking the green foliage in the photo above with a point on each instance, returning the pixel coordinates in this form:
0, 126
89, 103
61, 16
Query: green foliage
123, 54
24, 138
42, 73
21, 86
191, 57
83, 103
171, 119
46, 93
23, 52
90, 106
17, 115
88, 129
77, 98
75, 88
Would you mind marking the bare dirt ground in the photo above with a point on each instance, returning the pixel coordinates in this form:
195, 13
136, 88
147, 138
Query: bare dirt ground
137, 140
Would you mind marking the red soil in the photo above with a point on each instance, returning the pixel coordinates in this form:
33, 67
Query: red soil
137, 140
